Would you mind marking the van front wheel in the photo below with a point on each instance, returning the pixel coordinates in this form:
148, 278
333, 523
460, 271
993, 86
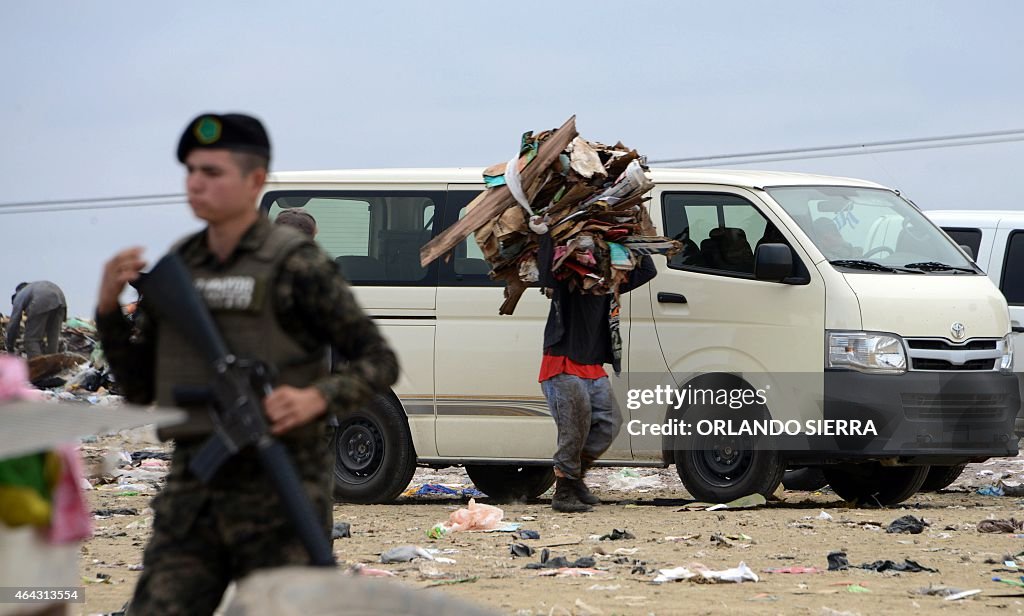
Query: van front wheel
726, 471
871, 484
507, 483
374, 458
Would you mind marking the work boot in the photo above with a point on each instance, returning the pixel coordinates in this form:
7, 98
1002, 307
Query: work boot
583, 493
565, 499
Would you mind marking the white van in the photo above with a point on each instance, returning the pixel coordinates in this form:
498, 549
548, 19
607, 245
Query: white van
835, 295
996, 242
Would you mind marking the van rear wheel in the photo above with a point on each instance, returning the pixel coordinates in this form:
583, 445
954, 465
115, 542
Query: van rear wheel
725, 471
872, 484
507, 483
374, 459
941, 476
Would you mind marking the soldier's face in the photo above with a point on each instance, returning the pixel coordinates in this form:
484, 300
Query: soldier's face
217, 189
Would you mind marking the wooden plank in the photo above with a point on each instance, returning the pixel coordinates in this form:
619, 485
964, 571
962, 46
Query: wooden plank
495, 200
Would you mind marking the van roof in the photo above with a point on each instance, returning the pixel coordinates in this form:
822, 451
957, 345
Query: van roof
974, 218
473, 175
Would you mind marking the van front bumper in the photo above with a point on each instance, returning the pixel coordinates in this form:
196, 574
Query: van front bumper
923, 415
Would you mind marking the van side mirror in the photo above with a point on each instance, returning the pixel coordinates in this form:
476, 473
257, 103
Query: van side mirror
968, 250
773, 262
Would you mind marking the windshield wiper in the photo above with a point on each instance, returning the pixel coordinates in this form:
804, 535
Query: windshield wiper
871, 266
935, 266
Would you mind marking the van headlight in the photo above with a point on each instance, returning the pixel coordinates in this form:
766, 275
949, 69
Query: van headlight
866, 352
1006, 361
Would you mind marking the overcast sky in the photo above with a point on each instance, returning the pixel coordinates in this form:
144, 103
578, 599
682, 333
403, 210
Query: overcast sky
95, 95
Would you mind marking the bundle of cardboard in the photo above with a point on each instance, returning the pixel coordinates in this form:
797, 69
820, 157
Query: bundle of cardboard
588, 196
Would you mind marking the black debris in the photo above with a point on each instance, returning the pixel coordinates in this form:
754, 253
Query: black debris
907, 524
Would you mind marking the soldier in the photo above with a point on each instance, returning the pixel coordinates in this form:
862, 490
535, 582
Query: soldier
44, 307
276, 297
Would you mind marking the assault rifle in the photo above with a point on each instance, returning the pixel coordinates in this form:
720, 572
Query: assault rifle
236, 398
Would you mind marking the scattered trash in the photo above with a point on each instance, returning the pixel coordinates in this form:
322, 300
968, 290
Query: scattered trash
106, 513
907, 524
698, 572
521, 549
526, 534
437, 489
628, 480
907, 565
856, 588
795, 570
571, 572
136, 567
937, 591
341, 530
964, 594
1018, 583
617, 534
824, 516
404, 554
465, 580
361, 569
837, 561
605, 587
472, 517
561, 562
991, 491
1000, 526
763, 596
750, 501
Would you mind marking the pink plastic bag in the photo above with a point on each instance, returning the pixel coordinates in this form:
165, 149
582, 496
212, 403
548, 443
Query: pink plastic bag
475, 517
14, 380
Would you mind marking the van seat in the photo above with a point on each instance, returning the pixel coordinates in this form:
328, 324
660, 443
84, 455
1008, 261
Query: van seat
470, 266
358, 267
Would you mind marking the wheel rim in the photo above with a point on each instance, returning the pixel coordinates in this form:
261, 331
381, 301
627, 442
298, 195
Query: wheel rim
722, 463
359, 451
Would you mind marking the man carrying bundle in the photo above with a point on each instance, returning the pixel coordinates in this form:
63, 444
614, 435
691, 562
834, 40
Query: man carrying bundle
577, 344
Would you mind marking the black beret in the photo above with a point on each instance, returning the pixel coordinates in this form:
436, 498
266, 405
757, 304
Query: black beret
228, 131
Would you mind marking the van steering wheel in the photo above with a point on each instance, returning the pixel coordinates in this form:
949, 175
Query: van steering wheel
878, 249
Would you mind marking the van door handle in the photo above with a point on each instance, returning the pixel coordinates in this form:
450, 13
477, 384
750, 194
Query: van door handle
1017, 329
671, 298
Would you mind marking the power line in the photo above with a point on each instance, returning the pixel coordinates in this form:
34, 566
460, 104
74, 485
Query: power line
92, 200
1016, 134
933, 146
743, 158
87, 206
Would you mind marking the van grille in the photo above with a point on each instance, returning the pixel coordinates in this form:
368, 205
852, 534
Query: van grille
941, 364
942, 345
937, 354
954, 406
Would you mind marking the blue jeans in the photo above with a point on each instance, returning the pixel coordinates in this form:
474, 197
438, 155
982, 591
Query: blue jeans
586, 416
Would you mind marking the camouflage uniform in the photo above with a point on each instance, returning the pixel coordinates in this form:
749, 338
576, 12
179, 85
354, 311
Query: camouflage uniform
204, 536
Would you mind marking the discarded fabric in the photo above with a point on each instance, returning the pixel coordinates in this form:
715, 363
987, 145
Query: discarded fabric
907, 524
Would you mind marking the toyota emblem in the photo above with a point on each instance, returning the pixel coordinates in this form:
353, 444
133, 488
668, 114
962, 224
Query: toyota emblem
958, 330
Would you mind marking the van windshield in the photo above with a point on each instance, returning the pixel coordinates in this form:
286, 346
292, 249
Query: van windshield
864, 228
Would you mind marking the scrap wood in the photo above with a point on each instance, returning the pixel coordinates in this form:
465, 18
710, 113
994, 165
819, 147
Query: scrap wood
492, 202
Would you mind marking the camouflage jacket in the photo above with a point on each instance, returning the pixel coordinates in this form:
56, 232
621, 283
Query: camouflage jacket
313, 303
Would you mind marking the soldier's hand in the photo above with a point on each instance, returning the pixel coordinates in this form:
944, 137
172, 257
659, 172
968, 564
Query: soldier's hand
123, 268
290, 407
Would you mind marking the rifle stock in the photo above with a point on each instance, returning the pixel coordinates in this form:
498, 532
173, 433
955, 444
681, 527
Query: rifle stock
237, 393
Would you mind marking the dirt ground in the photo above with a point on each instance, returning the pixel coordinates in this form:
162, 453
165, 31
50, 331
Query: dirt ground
789, 533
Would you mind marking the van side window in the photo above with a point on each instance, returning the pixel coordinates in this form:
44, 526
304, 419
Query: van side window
965, 237
1012, 283
719, 231
375, 237
467, 266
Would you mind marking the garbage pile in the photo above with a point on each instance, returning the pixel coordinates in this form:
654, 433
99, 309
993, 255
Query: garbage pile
588, 196
78, 371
